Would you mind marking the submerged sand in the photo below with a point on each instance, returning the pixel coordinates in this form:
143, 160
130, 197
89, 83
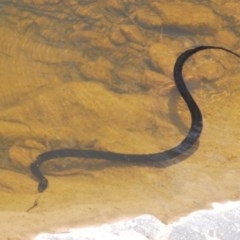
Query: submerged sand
65, 85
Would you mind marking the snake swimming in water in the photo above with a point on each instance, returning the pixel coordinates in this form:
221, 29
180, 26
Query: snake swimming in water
190, 139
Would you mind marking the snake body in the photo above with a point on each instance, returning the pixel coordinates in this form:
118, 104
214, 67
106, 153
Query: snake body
189, 140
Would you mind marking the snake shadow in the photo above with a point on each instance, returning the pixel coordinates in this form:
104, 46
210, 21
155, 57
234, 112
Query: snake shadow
86, 166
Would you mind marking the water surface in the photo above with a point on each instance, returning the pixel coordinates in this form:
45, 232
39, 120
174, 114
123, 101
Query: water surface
98, 75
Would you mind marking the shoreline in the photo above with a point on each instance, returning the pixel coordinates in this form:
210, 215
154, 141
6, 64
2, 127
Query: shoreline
222, 220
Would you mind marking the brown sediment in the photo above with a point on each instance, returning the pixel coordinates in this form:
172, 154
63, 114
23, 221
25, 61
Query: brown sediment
104, 82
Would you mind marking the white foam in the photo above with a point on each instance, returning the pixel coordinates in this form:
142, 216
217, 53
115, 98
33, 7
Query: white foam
222, 222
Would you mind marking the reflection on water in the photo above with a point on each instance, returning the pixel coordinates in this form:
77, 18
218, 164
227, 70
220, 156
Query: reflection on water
98, 75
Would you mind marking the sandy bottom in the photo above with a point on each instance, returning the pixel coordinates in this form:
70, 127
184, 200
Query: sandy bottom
112, 194
220, 221
106, 84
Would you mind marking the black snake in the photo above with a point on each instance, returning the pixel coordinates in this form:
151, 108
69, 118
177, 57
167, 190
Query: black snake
190, 139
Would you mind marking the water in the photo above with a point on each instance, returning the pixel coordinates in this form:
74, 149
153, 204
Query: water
98, 75
221, 222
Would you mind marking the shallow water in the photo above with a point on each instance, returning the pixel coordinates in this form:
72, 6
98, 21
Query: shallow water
98, 75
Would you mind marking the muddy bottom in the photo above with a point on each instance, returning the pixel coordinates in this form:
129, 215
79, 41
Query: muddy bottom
98, 75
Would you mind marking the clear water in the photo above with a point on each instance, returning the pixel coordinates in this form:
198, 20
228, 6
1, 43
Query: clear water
98, 75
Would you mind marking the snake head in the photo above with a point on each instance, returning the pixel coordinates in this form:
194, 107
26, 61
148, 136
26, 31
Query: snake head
42, 184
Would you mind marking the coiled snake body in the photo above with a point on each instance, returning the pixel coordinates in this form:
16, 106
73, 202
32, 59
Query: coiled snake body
190, 139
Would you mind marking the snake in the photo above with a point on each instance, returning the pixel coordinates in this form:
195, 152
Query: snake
190, 139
